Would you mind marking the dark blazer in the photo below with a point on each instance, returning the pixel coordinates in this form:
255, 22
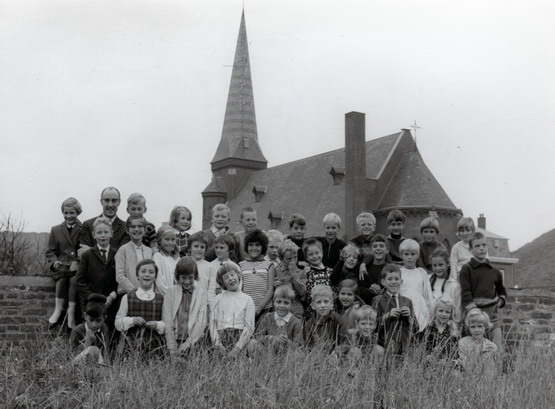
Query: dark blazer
96, 275
394, 333
119, 233
63, 246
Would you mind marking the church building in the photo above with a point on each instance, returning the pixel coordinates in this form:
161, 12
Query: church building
377, 175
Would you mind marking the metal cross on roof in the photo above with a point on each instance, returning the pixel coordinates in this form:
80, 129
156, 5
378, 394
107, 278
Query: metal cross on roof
415, 126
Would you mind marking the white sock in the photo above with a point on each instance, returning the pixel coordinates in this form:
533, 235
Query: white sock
57, 310
71, 314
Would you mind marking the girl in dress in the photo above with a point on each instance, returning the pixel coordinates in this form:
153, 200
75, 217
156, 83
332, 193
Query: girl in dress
317, 274
442, 334
166, 258
416, 285
443, 285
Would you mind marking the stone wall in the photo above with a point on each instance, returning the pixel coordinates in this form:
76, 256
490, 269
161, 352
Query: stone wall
27, 302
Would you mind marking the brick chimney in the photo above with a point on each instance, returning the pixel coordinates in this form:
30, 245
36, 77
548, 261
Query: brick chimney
355, 170
482, 221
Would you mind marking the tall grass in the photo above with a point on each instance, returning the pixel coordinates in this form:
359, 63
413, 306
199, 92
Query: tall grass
42, 377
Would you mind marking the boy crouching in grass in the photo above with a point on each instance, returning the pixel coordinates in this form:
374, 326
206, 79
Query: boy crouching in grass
280, 329
232, 316
362, 343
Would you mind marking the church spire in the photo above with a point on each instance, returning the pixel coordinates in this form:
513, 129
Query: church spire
239, 135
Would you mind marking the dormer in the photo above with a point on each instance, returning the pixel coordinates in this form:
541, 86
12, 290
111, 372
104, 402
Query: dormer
275, 218
337, 174
259, 192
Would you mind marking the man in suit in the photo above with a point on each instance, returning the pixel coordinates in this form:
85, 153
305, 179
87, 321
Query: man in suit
110, 200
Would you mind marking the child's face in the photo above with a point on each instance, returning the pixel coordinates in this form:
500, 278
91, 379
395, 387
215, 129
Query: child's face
198, 248
366, 227
167, 243
396, 227
70, 215
465, 233
322, 305
254, 250
290, 257
222, 251
297, 231
102, 235
439, 267
477, 329
138, 209
392, 282
409, 258
110, 202
231, 281
479, 249
136, 231
443, 313
282, 306
273, 247
146, 276
186, 281
331, 231
351, 260
94, 324
366, 327
314, 256
346, 297
379, 250
220, 218
183, 222
249, 221
429, 235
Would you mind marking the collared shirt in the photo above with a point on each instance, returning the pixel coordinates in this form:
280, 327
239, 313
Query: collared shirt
123, 322
183, 314
395, 298
107, 250
217, 232
281, 321
139, 252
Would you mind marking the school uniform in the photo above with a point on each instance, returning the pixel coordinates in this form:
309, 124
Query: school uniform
119, 233
63, 244
127, 258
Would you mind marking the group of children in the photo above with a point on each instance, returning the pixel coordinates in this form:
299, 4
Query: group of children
373, 297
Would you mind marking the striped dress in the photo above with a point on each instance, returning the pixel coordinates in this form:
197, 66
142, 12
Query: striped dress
254, 275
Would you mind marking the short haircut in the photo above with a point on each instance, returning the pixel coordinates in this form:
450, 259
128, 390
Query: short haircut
162, 230
466, 222
198, 236
110, 188
146, 262
73, 203
96, 306
379, 238
365, 313
321, 290
429, 223
311, 242
332, 218
297, 219
349, 249
409, 245
186, 266
134, 217
448, 302
477, 315
365, 216
247, 209
476, 236
395, 216
285, 291
256, 236
220, 207
274, 235
227, 267
226, 239
176, 211
439, 252
350, 284
135, 198
285, 246
390, 268
102, 220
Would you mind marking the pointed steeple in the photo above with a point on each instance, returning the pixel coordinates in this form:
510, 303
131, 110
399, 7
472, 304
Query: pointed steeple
239, 135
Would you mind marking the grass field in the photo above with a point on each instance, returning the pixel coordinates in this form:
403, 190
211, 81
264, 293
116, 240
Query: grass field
42, 377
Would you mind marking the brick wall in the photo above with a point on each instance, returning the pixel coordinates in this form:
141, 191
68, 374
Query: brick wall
27, 302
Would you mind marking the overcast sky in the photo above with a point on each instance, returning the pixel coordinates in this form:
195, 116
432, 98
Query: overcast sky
132, 94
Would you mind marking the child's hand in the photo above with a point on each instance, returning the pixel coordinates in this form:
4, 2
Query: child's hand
82, 249
303, 264
184, 347
74, 266
362, 272
277, 282
395, 312
139, 321
152, 325
375, 288
405, 311
501, 303
56, 265
487, 348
